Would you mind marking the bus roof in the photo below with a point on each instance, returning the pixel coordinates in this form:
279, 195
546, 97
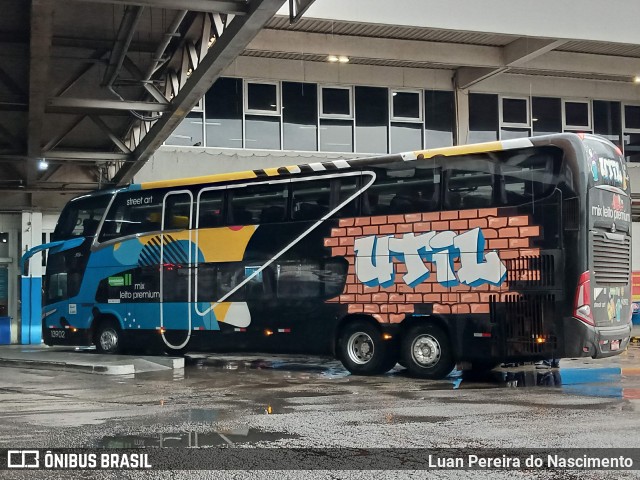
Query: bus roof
340, 164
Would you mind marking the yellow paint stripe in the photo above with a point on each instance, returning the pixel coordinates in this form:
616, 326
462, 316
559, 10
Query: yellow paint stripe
181, 182
272, 172
461, 150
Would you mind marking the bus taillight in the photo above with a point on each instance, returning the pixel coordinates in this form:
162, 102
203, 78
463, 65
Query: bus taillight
582, 304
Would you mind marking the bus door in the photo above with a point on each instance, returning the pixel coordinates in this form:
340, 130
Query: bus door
176, 260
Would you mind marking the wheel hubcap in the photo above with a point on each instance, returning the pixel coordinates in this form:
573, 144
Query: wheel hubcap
360, 348
108, 340
426, 350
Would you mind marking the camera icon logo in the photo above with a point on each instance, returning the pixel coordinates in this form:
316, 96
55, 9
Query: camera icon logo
23, 459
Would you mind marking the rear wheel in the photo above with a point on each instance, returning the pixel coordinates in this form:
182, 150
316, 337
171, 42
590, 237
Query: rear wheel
108, 337
363, 351
426, 352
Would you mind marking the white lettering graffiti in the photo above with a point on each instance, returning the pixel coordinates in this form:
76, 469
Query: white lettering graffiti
374, 255
610, 169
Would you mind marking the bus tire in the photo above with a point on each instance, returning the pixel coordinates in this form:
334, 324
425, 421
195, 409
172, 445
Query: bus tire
108, 337
362, 350
426, 352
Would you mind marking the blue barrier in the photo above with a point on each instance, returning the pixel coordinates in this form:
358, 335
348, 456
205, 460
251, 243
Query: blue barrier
5, 330
31, 331
635, 310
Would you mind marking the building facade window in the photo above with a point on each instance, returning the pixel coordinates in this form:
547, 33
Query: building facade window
262, 115
190, 131
483, 117
546, 115
223, 114
304, 116
515, 117
607, 120
372, 119
576, 116
300, 116
406, 105
439, 118
631, 137
336, 102
262, 98
336, 119
406, 126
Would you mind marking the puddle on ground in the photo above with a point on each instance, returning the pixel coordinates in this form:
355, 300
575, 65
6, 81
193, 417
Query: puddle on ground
596, 381
606, 382
328, 369
239, 436
390, 418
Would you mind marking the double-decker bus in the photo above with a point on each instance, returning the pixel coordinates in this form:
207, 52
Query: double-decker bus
507, 251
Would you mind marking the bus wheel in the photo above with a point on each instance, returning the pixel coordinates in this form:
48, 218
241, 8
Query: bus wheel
425, 351
363, 351
108, 337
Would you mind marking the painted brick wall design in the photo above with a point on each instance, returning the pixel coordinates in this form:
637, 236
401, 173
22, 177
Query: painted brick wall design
509, 236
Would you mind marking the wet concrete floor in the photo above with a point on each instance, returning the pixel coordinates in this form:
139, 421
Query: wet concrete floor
266, 401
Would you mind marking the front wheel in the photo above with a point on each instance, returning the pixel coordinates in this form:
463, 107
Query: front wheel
426, 352
363, 351
108, 337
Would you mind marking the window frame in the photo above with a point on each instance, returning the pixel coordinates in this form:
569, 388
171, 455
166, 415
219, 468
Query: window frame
394, 118
257, 111
336, 116
514, 124
625, 129
199, 107
573, 128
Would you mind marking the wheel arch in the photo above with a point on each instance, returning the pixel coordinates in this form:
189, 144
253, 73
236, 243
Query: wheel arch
101, 316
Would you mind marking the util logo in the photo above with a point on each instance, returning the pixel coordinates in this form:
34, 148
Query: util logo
617, 203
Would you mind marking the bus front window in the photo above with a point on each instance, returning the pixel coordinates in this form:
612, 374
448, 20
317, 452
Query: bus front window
81, 217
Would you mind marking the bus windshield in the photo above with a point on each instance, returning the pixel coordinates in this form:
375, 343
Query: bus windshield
81, 217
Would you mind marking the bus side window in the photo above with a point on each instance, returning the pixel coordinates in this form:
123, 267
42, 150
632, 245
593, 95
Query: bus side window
470, 184
261, 285
177, 212
346, 187
132, 213
297, 280
257, 204
228, 278
403, 190
206, 274
310, 199
211, 209
528, 177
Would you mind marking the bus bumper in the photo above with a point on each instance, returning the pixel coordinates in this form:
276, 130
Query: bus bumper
582, 340
67, 336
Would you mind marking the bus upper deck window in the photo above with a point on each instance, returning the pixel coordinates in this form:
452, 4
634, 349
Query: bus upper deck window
400, 189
